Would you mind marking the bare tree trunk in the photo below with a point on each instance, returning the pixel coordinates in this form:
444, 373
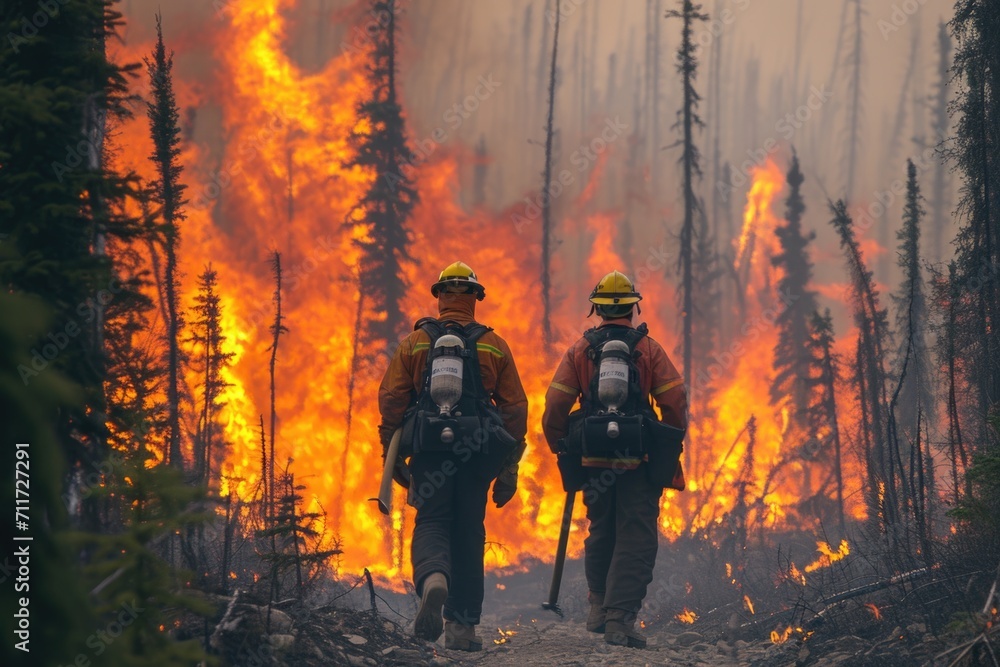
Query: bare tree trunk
546, 198
854, 137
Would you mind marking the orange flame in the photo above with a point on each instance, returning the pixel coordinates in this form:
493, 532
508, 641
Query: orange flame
828, 556
748, 603
874, 610
687, 616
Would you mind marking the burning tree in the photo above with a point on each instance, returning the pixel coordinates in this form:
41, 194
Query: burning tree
381, 214
168, 191
822, 412
792, 357
870, 376
207, 334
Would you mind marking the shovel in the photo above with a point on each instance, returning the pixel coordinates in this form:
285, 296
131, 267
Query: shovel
557, 573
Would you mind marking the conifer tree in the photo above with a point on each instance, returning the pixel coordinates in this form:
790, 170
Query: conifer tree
58, 88
208, 336
168, 193
976, 153
690, 161
911, 316
792, 357
822, 414
881, 459
382, 213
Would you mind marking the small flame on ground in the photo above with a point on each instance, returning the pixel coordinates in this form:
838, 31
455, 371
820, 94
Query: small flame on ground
748, 603
687, 616
505, 636
784, 635
874, 610
501, 587
828, 556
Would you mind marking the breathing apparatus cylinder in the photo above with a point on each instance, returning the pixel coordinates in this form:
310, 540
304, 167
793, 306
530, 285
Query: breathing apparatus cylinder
446, 379
612, 383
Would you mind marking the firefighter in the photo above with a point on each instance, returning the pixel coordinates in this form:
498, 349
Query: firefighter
455, 451
622, 487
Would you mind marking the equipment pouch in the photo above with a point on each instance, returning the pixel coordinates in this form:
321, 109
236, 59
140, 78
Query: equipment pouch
429, 433
573, 442
627, 444
572, 472
665, 446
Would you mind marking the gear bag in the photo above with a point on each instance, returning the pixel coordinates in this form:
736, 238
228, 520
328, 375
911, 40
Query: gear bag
588, 426
475, 422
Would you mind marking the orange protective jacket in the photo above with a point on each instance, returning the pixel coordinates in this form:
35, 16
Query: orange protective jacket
657, 377
403, 378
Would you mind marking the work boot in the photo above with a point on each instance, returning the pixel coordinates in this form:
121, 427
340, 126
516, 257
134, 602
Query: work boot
435, 591
460, 637
619, 629
595, 620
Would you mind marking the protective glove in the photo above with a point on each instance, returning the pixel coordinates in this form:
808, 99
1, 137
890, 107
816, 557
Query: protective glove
505, 485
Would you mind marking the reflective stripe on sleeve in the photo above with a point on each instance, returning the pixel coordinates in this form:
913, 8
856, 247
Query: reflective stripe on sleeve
564, 388
668, 386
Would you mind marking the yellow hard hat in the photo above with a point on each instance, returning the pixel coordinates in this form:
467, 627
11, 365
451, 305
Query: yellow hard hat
459, 274
615, 288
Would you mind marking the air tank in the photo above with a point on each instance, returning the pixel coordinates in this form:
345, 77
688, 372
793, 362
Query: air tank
612, 382
446, 379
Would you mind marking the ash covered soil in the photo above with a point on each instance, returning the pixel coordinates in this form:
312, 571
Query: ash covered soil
516, 631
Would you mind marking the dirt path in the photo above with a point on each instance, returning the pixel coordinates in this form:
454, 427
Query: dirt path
554, 642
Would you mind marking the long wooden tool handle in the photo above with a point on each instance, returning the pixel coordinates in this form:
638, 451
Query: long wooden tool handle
385, 490
557, 573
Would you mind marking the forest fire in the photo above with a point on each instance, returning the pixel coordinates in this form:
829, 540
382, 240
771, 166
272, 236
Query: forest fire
209, 261
284, 187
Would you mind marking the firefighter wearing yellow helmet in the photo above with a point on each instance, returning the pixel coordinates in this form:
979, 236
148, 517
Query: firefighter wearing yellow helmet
459, 278
617, 450
453, 391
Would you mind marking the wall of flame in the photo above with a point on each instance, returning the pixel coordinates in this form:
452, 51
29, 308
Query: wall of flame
279, 183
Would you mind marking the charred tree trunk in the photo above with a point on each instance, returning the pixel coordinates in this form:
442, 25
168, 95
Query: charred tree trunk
854, 118
277, 329
687, 67
546, 195
168, 193
940, 201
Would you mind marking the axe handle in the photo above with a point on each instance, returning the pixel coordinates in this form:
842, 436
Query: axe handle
557, 572
385, 490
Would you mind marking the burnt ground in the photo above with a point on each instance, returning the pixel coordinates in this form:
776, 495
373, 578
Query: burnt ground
897, 625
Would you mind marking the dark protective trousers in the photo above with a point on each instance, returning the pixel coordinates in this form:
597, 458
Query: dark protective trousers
620, 549
449, 491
